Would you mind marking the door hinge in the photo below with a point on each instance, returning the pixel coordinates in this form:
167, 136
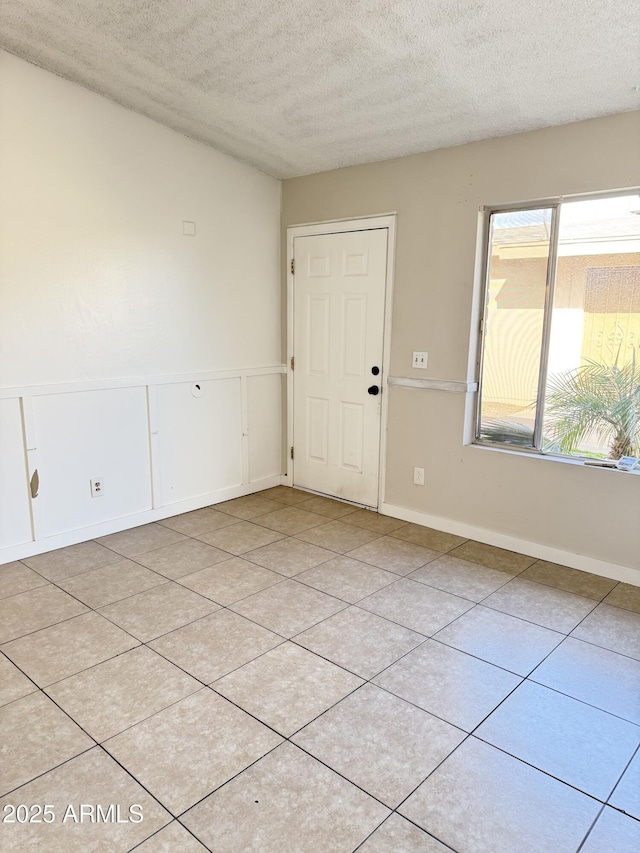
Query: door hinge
293, 266
292, 452
293, 363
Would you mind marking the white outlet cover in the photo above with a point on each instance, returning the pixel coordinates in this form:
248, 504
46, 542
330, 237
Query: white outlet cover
97, 487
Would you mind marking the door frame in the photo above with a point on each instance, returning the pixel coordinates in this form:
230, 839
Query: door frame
340, 226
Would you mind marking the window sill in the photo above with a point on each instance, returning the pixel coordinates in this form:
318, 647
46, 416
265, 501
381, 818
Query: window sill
548, 457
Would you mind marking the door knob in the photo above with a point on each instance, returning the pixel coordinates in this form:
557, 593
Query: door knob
373, 390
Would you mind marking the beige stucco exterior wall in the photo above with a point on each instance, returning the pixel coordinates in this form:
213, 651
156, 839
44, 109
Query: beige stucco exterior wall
437, 197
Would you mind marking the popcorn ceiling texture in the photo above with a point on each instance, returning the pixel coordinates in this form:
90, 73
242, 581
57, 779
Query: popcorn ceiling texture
307, 85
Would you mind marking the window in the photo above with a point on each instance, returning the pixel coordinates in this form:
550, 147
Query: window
560, 344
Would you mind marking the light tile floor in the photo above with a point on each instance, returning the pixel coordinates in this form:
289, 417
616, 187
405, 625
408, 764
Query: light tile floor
285, 673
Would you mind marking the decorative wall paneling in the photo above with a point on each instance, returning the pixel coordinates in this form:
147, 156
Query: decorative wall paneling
160, 445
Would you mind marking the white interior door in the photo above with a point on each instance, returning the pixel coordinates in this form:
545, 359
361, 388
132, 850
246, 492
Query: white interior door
339, 299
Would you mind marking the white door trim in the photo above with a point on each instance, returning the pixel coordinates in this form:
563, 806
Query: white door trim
340, 226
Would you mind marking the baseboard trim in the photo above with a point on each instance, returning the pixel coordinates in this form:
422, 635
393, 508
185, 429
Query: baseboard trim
83, 534
511, 543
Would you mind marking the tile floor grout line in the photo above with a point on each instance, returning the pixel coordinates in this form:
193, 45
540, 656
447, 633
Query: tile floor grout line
590, 830
402, 817
24, 591
618, 607
635, 754
181, 815
73, 720
88, 572
161, 829
298, 536
400, 625
568, 695
277, 542
370, 681
229, 610
495, 609
535, 766
448, 591
36, 686
210, 684
595, 602
248, 713
90, 609
436, 639
166, 633
588, 704
188, 539
118, 600
331, 595
472, 734
132, 557
237, 601
264, 627
45, 687
49, 580
630, 609
570, 591
464, 651
346, 668
394, 534
56, 584
338, 772
431, 772
51, 769
44, 627
283, 532
417, 825
604, 648
153, 714
138, 782
310, 586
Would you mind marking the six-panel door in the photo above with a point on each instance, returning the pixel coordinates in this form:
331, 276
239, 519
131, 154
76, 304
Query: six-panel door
339, 298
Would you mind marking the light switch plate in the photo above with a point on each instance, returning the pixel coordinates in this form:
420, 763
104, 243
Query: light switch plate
420, 360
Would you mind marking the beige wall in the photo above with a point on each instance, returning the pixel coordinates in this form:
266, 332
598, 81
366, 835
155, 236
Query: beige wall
437, 196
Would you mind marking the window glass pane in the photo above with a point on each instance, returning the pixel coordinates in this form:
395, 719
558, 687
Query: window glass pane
514, 319
592, 400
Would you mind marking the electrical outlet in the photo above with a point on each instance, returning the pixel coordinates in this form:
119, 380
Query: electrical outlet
97, 487
418, 476
420, 360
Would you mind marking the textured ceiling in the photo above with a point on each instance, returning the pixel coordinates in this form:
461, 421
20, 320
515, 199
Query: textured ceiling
307, 85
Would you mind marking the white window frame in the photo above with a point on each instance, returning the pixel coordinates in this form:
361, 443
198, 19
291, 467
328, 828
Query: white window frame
546, 203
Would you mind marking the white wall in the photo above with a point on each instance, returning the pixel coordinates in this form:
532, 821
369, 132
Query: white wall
110, 314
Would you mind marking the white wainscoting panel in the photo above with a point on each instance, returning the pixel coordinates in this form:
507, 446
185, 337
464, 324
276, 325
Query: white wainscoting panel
86, 435
200, 437
161, 445
15, 517
264, 395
